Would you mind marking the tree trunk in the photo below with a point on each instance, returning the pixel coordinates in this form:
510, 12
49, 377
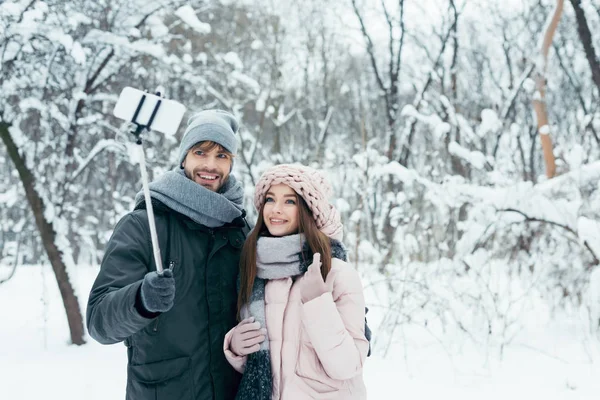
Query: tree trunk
586, 39
539, 101
539, 106
48, 236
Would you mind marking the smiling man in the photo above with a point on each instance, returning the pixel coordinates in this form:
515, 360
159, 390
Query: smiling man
173, 324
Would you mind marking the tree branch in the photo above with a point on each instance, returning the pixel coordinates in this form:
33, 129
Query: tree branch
401, 44
586, 39
553, 223
391, 36
370, 50
405, 151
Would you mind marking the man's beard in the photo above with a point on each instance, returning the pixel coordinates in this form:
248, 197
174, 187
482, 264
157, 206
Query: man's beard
221, 178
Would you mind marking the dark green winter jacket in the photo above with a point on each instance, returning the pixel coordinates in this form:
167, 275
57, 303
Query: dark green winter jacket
177, 354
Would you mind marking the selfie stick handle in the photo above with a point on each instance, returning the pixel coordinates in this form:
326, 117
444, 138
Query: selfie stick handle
142, 160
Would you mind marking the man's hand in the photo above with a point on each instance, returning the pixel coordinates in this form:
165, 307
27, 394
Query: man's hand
313, 285
158, 291
247, 337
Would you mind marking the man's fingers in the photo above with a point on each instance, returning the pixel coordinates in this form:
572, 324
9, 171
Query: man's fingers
246, 320
167, 273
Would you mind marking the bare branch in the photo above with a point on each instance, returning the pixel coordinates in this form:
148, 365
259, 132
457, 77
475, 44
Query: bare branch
553, 223
391, 36
104, 144
586, 40
410, 127
370, 49
577, 87
396, 73
509, 105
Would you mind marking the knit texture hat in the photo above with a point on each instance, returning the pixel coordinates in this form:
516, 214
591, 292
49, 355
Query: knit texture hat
312, 186
215, 125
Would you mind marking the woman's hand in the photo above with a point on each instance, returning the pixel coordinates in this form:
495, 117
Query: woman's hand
313, 285
247, 337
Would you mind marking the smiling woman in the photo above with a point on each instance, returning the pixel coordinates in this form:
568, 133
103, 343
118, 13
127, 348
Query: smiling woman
302, 328
280, 212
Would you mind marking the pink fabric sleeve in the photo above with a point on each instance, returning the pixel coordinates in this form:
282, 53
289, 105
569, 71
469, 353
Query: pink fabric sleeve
336, 328
237, 362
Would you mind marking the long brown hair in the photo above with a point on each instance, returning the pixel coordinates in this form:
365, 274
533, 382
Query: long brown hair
317, 241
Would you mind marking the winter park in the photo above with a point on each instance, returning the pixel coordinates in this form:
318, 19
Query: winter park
272, 199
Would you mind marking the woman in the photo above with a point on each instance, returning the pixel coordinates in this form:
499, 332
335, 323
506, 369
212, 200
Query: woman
302, 335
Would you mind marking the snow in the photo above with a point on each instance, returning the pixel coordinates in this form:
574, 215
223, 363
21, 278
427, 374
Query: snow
547, 360
342, 205
529, 85
436, 124
234, 60
261, 102
188, 15
186, 58
78, 53
246, 80
9, 198
575, 156
490, 122
9, 8
399, 171
142, 46
544, 130
489, 266
256, 45
475, 158
588, 231
157, 28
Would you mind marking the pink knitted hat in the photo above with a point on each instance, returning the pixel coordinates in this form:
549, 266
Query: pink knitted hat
312, 186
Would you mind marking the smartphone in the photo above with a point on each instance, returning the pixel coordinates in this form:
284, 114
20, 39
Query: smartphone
167, 118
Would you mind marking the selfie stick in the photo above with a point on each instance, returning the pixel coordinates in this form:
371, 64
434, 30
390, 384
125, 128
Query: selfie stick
137, 131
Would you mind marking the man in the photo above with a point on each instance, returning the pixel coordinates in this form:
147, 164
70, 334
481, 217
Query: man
173, 324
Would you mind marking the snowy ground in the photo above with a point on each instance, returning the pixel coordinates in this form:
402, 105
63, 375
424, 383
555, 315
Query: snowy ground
553, 362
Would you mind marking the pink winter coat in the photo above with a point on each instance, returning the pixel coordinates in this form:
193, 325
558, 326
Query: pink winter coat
317, 349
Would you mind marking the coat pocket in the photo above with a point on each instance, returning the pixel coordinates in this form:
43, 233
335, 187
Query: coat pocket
168, 379
311, 377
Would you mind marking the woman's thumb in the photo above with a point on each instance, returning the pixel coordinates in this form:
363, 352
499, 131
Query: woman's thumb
317, 259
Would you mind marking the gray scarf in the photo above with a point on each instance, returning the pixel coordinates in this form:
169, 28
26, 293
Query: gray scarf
276, 258
202, 205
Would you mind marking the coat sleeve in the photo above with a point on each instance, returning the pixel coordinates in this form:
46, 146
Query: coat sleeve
335, 324
237, 362
112, 315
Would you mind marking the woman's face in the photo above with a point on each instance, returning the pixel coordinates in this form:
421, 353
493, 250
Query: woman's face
280, 211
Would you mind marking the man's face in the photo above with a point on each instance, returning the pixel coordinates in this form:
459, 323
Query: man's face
208, 166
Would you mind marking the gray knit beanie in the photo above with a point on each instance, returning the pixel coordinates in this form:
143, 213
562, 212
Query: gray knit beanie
215, 125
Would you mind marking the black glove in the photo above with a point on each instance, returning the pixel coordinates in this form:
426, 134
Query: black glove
158, 291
